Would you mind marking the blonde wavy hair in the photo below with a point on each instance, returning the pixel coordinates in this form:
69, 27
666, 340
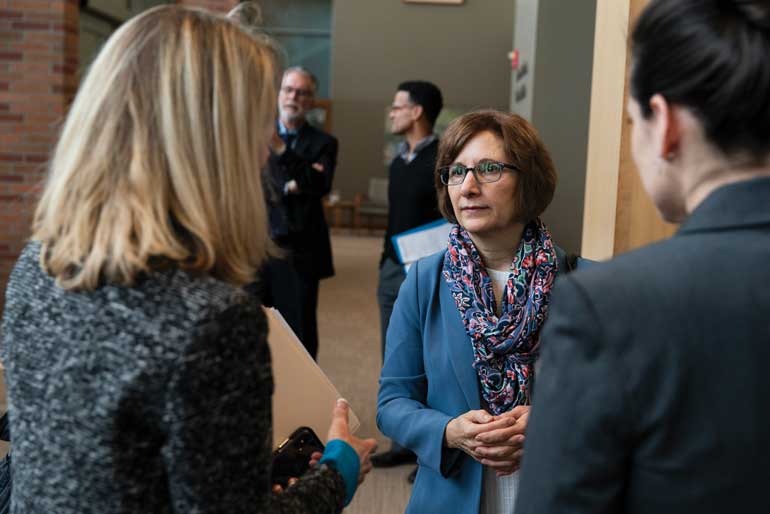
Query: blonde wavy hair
159, 158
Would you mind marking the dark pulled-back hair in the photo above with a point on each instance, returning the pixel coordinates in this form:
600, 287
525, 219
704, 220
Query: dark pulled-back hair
425, 94
713, 57
523, 148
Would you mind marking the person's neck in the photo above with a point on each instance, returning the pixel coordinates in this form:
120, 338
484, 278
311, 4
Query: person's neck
717, 173
699, 168
703, 189
293, 124
416, 134
498, 249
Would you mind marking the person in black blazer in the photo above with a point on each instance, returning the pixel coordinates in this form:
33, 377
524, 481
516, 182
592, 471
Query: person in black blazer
653, 390
299, 173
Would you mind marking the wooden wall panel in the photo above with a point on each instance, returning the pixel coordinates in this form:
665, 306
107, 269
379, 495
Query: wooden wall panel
604, 138
618, 214
637, 220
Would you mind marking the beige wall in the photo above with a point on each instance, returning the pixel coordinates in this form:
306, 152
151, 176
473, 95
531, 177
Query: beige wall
561, 106
378, 43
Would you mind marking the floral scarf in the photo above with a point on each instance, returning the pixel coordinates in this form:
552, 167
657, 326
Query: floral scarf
504, 348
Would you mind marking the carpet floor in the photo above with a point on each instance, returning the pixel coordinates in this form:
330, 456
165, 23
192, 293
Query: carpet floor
349, 353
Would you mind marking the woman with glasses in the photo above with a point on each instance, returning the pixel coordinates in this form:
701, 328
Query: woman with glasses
465, 331
138, 370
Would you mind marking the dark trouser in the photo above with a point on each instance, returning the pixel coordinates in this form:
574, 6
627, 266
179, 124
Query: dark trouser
391, 277
295, 296
308, 297
390, 280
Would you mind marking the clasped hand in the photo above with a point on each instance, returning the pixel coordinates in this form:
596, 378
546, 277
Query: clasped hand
494, 441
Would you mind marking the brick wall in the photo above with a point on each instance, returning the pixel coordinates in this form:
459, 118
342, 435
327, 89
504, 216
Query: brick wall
38, 65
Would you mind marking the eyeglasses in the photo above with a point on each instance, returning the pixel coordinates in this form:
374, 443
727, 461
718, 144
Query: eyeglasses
288, 90
483, 172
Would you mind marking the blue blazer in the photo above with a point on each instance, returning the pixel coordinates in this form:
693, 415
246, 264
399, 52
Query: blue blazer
428, 379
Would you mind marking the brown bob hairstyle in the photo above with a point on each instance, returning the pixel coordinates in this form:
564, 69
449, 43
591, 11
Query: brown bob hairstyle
523, 149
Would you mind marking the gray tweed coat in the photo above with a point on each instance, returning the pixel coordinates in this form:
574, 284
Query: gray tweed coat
149, 399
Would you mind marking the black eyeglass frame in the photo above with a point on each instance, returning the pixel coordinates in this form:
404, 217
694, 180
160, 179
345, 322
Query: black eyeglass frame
444, 172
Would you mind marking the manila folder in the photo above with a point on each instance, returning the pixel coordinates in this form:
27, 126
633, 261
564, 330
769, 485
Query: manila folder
303, 395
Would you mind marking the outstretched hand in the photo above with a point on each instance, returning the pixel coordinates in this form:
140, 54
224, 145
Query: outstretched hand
340, 429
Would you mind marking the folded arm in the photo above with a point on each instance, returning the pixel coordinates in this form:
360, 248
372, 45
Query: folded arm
313, 176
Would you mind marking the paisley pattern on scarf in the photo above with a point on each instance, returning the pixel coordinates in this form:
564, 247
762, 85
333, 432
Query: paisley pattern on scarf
504, 348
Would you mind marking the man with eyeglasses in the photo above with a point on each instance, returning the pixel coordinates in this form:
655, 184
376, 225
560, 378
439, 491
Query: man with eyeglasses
411, 203
299, 173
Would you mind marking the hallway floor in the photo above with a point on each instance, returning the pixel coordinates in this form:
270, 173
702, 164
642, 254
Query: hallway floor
349, 352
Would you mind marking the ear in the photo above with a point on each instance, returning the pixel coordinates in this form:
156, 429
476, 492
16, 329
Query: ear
666, 127
417, 112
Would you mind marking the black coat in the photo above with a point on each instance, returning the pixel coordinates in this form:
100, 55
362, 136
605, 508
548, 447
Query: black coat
308, 239
653, 390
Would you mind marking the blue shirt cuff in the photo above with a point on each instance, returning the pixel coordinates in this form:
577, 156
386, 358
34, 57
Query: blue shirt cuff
342, 457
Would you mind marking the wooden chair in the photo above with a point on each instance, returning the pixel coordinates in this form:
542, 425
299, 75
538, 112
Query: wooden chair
372, 205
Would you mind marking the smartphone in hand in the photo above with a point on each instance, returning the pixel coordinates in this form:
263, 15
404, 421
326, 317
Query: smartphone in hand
292, 458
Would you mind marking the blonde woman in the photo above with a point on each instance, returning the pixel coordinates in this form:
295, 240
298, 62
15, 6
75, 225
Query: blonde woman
138, 372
